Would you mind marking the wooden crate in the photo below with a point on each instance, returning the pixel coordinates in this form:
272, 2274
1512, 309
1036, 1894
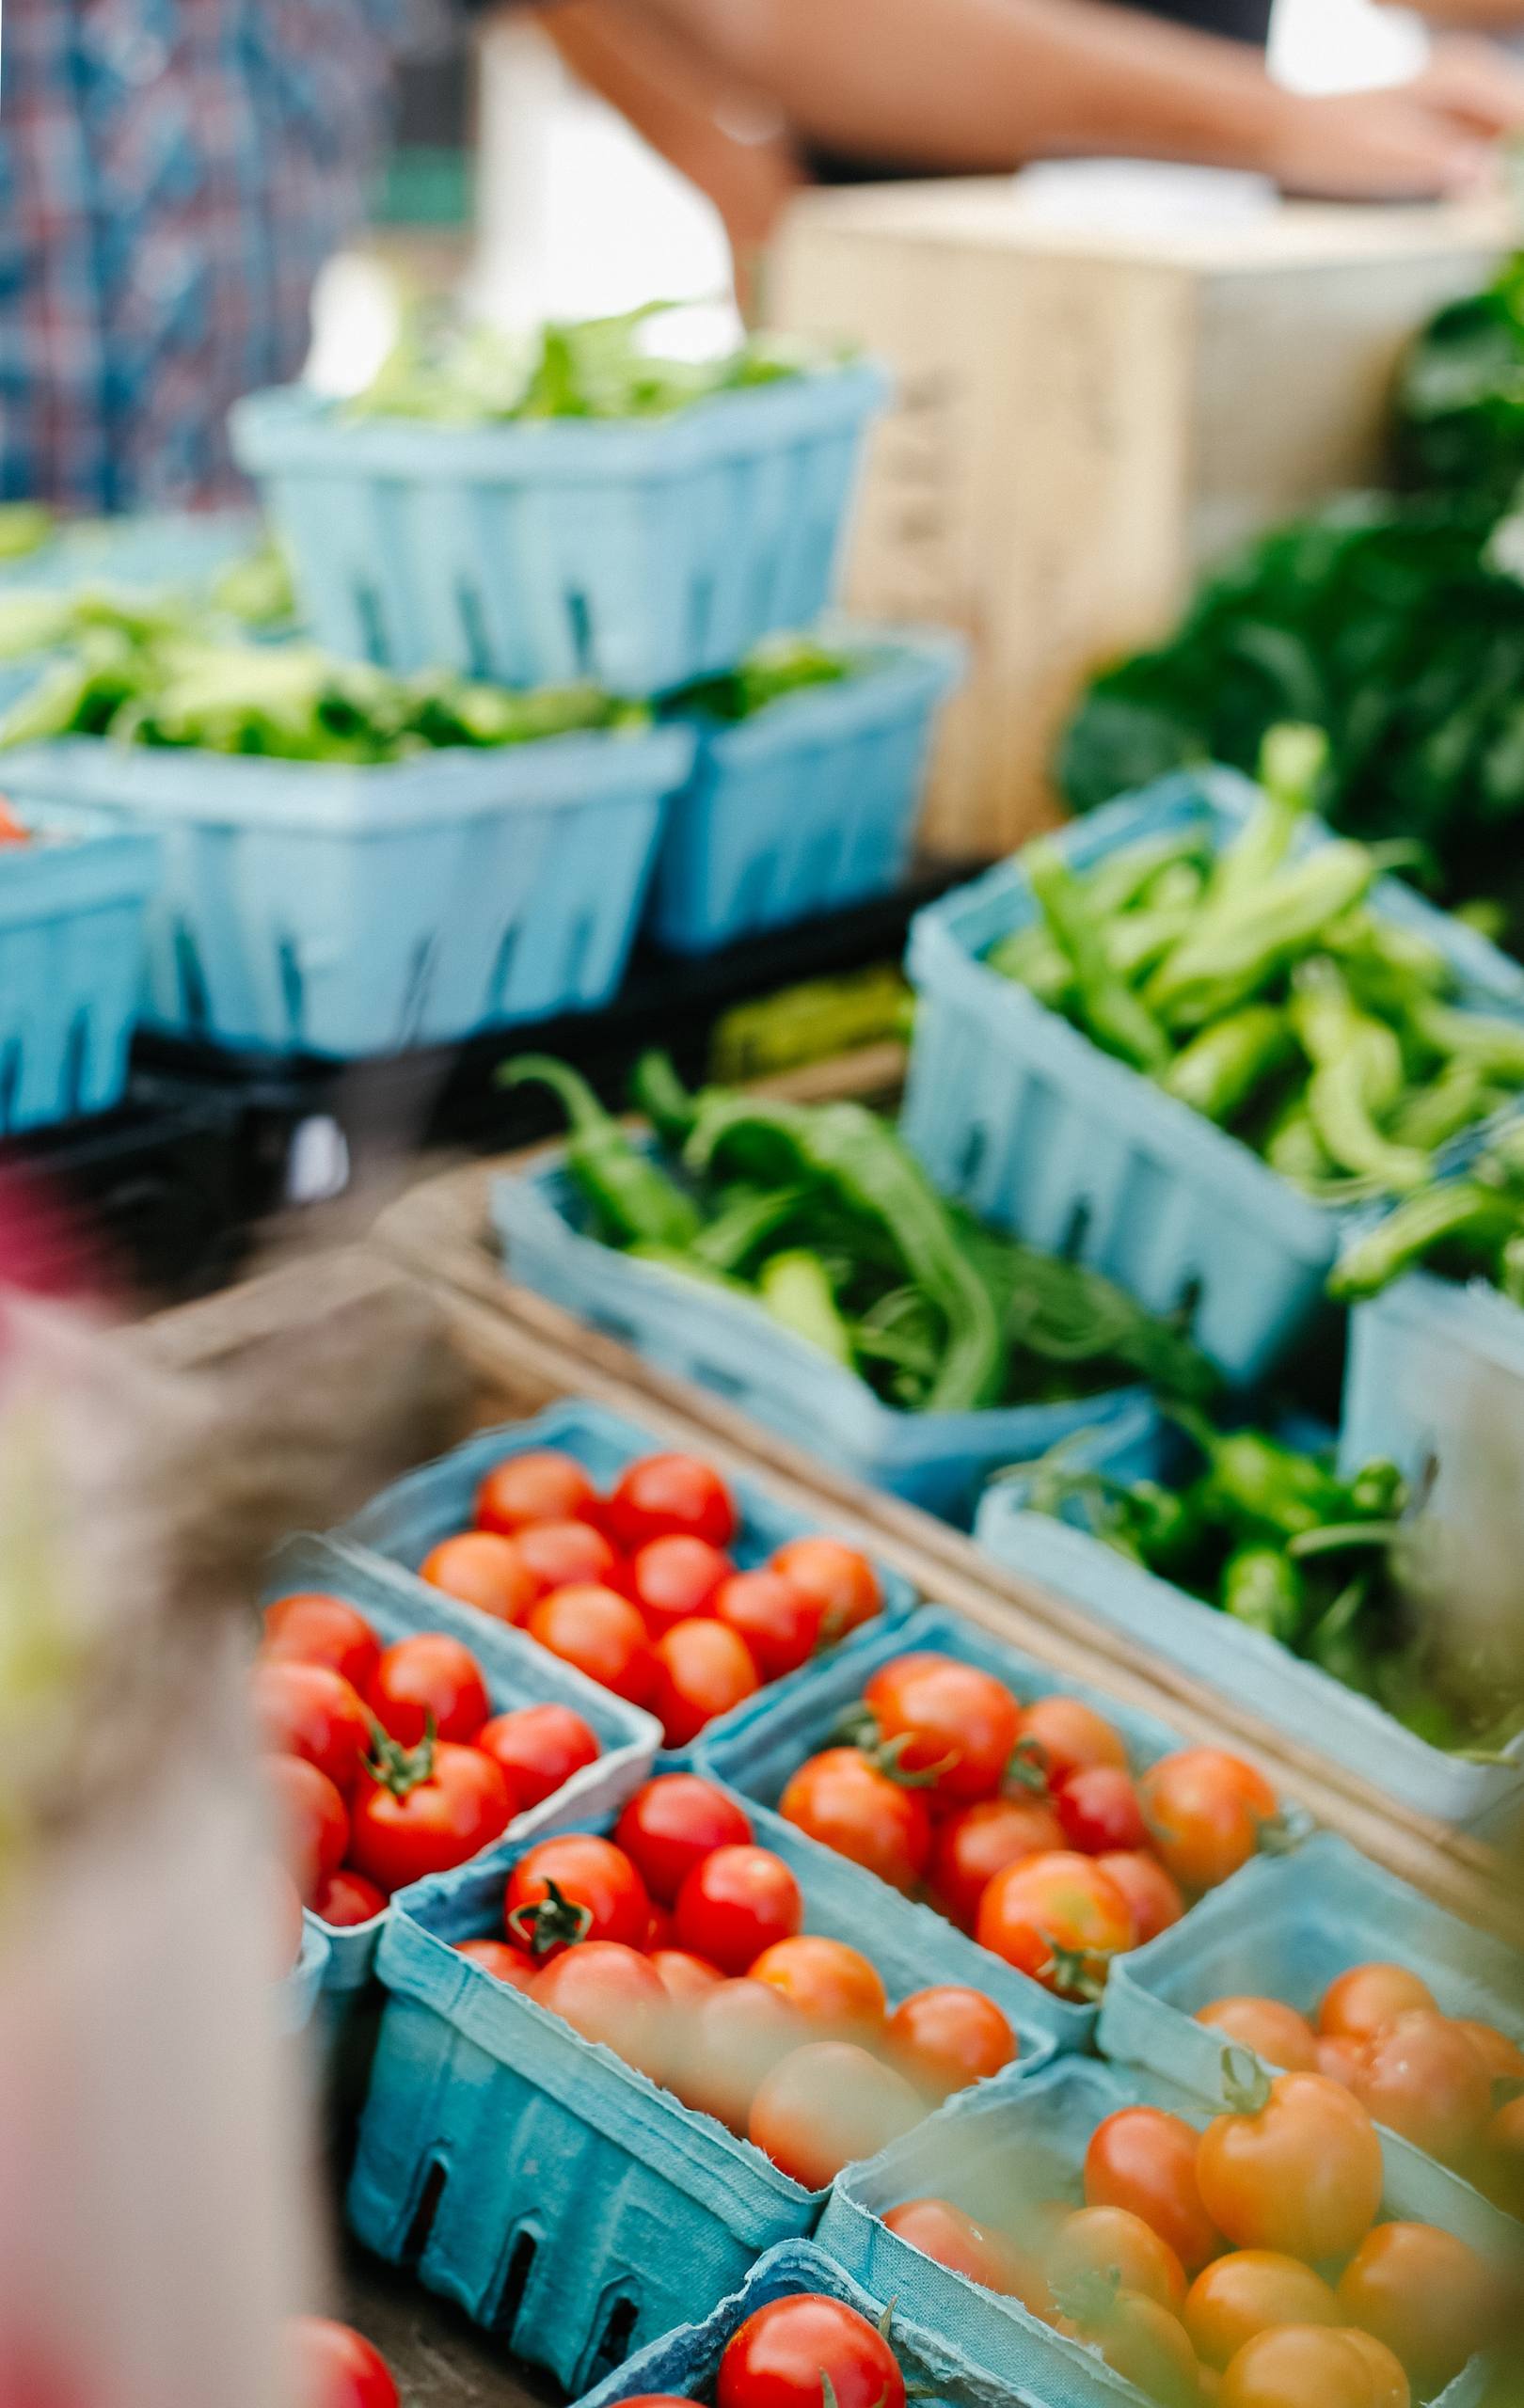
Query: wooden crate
1087, 416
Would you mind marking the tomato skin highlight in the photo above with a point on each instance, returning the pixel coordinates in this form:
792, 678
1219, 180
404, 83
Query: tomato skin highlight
602, 1633
312, 1820
1249, 2292
310, 1710
1058, 1918
311, 1627
1274, 2031
702, 1671
1205, 1812
504, 1963
346, 1899
430, 1680
846, 1804
826, 2106
595, 1881
947, 2037
1145, 2160
1424, 2078
1295, 2366
337, 2368
538, 1749
479, 1569
832, 1988
735, 1903
1302, 2175
780, 1624
779, 2356
668, 1496
1368, 1998
673, 1823
1430, 2297
459, 1809
945, 1722
974, 1843
1153, 1895
837, 1578
677, 1580
544, 1486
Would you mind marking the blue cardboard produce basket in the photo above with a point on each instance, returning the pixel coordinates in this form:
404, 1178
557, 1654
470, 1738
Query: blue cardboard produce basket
141, 551
766, 1740
408, 1520
734, 1347
312, 908
1288, 1930
296, 1997
642, 554
517, 1674
684, 2364
72, 940
1017, 1113
810, 804
553, 2192
988, 2155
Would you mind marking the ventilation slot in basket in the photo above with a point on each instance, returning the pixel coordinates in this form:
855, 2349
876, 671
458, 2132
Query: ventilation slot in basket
372, 619
76, 1063
11, 1072
700, 614
424, 2215
502, 968
614, 2346
292, 986
971, 1158
416, 997
473, 628
514, 2283
580, 621
1188, 1302
1077, 1230
194, 1004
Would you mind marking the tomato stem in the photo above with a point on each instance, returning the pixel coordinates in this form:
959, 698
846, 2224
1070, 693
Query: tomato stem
397, 1768
554, 1921
1246, 2084
1027, 1768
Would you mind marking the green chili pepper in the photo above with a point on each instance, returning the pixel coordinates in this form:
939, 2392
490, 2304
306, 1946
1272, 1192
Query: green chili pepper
1291, 760
1128, 877
1218, 1071
1294, 1148
1459, 1096
1234, 946
1259, 1485
1263, 1589
656, 1090
1377, 1491
855, 1155
1165, 1525
1111, 1013
1029, 957
796, 1290
1357, 1074
632, 1196
688, 1265
1463, 1212
1497, 1045
747, 1222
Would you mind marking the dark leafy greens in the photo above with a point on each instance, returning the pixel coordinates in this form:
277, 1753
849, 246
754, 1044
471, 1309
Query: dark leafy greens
1460, 400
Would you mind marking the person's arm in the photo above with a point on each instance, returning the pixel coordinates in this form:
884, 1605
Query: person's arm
971, 85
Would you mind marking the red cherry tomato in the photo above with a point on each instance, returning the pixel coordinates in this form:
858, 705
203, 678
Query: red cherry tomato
285, 1914
974, 1843
780, 1624
1153, 1895
731, 2039
312, 1819
848, 1805
565, 1555
337, 2368
686, 1979
665, 1495
310, 1710
602, 1633
703, 1670
481, 1570
733, 1904
835, 1578
946, 1722
430, 1680
828, 2105
1058, 1918
1206, 1812
1062, 1735
443, 1804
1099, 1810
575, 1889
541, 1486
504, 1963
346, 1899
940, 2230
314, 1629
1145, 2161
675, 1580
672, 1823
608, 1992
949, 2038
538, 1748
660, 1932
785, 2355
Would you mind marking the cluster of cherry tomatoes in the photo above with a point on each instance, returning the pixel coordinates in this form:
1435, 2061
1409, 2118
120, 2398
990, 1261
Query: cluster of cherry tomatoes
1453, 2086
388, 1763
335, 2367
800, 2353
679, 1944
1023, 1824
637, 1589
1242, 2267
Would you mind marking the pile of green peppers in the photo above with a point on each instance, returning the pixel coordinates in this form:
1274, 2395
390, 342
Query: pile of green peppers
818, 1214
1278, 1540
1257, 986
1468, 1228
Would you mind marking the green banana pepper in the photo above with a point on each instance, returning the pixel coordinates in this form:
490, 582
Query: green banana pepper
795, 1289
634, 1199
1263, 1589
1218, 1071
1117, 1018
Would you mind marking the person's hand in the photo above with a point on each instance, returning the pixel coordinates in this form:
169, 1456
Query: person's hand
1431, 138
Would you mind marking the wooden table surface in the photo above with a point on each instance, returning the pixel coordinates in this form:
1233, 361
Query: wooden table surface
440, 2357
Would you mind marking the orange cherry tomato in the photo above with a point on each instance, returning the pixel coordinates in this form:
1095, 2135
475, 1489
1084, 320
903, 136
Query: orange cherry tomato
1148, 2346
1145, 2160
608, 1992
731, 2039
481, 1570
1058, 1918
941, 2230
702, 1671
974, 1843
830, 1985
1274, 2031
1153, 1895
946, 1722
1389, 2387
1432, 2298
1118, 2245
1061, 1735
1501, 2171
827, 2105
947, 2037
504, 1964
1364, 2001
684, 1978
835, 1578
541, 1486
849, 1805
1503, 2057
1340, 2059
1297, 2169
1424, 2078
1295, 2365
1249, 2292
564, 1555
1206, 1812
602, 1633
780, 1624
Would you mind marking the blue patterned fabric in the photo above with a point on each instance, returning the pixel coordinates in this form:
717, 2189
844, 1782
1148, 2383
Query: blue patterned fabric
173, 174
